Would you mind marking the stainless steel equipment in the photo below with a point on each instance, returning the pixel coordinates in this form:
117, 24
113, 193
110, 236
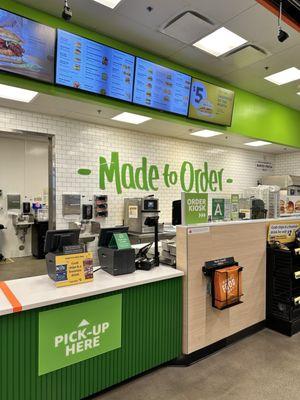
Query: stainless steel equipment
71, 204
136, 210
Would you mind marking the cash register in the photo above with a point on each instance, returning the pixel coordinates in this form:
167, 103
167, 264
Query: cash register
67, 262
114, 251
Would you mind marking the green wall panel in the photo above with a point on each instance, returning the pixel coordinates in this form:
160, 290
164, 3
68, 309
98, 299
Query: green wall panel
151, 336
253, 116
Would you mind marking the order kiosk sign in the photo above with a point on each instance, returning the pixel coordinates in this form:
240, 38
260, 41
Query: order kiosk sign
76, 333
194, 208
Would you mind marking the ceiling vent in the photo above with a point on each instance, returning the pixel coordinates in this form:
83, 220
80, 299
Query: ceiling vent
246, 55
187, 27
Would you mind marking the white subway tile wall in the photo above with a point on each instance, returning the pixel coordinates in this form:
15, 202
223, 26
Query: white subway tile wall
79, 145
287, 164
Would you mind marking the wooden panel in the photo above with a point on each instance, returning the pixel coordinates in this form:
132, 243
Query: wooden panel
247, 244
181, 261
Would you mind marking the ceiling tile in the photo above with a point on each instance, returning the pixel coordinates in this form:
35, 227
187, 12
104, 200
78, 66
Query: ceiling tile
194, 58
162, 11
259, 26
221, 10
187, 28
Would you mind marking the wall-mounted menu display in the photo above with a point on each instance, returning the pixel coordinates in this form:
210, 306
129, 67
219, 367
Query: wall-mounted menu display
161, 88
26, 47
211, 103
87, 65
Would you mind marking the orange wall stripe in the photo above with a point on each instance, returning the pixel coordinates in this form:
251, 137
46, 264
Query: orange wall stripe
289, 21
17, 307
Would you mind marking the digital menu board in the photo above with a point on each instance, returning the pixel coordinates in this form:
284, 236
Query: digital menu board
26, 47
211, 103
87, 65
161, 88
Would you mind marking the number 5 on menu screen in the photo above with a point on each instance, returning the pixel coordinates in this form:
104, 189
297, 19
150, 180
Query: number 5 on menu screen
211, 103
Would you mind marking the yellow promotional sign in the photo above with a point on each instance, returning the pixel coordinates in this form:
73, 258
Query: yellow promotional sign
282, 232
211, 103
72, 269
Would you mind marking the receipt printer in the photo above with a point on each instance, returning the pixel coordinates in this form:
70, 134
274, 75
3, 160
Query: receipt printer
114, 251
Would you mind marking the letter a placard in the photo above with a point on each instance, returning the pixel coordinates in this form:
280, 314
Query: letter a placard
68, 335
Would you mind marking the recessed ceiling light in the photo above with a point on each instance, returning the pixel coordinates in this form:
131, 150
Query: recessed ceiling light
109, 3
220, 42
285, 76
131, 118
257, 143
206, 133
298, 93
17, 94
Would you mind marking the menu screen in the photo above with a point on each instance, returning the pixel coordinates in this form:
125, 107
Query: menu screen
93, 67
211, 103
161, 88
26, 47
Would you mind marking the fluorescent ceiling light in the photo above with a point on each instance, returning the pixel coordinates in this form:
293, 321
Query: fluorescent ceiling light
285, 76
257, 143
220, 42
206, 133
17, 94
108, 3
131, 118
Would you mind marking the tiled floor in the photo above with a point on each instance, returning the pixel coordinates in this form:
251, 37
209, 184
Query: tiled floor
21, 268
265, 366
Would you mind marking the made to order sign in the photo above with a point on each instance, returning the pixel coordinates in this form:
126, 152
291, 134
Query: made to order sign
76, 333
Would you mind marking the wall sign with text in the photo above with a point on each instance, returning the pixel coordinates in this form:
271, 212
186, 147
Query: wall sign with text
147, 176
76, 333
194, 208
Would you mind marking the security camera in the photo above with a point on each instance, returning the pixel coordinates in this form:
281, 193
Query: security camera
282, 35
67, 12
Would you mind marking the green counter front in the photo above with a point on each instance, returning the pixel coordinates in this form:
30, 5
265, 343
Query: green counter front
150, 335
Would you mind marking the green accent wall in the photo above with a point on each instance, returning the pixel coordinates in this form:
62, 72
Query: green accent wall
151, 336
253, 116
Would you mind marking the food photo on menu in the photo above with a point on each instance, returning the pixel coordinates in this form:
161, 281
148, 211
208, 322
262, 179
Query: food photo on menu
93, 67
161, 88
211, 103
26, 47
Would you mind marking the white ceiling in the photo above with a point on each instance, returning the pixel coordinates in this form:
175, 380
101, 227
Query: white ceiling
132, 23
76, 110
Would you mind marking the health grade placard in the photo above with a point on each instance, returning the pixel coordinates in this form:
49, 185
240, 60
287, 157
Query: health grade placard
211, 103
72, 334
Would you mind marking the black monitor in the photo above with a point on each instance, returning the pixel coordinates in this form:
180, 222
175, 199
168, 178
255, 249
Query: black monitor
56, 240
176, 212
105, 234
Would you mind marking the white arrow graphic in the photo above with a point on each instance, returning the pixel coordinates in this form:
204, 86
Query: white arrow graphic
84, 322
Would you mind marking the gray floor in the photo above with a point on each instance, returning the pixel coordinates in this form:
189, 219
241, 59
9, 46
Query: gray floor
265, 366
22, 267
